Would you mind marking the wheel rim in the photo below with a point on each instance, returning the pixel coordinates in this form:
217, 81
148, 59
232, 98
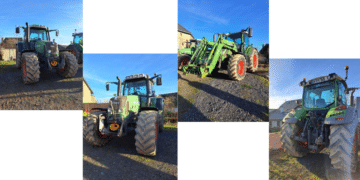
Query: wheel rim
185, 61
255, 61
241, 68
23, 64
72, 52
302, 144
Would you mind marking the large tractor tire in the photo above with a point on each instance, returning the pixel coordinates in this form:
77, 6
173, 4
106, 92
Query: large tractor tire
344, 146
254, 60
30, 68
291, 146
71, 65
237, 67
91, 130
183, 60
161, 123
146, 133
73, 50
18, 59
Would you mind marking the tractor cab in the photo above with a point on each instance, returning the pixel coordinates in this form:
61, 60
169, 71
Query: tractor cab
241, 38
78, 38
36, 32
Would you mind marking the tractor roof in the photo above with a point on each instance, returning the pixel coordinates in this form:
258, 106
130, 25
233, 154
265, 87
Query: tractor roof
38, 26
237, 35
80, 33
137, 76
321, 79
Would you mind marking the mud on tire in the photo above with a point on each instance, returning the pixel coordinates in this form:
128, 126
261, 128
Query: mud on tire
91, 130
254, 60
30, 68
183, 60
146, 133
291, 146
71, 65
237, 67
344, 146
76, 53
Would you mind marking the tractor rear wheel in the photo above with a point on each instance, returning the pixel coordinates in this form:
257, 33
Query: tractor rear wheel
91, 130
183, 60
254, 60
344, 146
71, 65
291, 146
72, 49
18, 59
237, 67
146, 133
30, 68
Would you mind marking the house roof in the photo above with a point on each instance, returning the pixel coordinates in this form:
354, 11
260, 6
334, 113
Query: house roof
279, 114
183, 30
276, 115
88, 86
10, 42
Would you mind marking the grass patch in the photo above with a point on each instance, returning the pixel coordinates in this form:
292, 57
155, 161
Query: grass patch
245, 86
7, 63
4, 66
263, 80
170, 127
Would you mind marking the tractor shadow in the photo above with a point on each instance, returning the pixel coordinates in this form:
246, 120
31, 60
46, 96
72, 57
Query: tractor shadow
49, 83
119, 160
188, 112
248, 106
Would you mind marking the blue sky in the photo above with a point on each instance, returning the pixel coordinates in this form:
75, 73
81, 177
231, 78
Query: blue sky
64, 15
205, 18
102, 68
285, 76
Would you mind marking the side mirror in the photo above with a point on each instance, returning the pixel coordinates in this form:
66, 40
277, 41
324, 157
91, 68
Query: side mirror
214, 38
17, 30
57, 33
107, 87
159, 81
250, 32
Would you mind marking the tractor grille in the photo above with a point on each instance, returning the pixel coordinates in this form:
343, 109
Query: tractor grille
118, 103
53, 47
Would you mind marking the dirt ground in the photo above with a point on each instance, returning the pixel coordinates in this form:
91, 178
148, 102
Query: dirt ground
119, 159
52, 92
311, 166
218, 98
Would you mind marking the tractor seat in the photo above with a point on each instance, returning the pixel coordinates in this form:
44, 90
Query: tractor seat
320, 103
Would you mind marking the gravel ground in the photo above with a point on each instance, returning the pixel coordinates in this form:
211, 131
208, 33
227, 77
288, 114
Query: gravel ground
52, 92
119, 159
318, 164
218, 98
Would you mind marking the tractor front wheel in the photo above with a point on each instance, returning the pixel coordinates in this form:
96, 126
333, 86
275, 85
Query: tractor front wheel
71, 65
30, 68
183, 60
146, 133
91, 130
254, 60
237, 67
72, 49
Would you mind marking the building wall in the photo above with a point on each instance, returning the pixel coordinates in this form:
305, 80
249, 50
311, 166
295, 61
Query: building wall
8, 54
182, 39
87, 97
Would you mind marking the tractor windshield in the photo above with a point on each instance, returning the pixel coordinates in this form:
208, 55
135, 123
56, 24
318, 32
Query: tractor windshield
38, 34
319, 95
77, 38
137, 87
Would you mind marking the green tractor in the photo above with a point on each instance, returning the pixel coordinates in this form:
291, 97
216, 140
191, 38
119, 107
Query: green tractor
232, 52
189, 51
37, 52
135, 108
325, 120
76, 46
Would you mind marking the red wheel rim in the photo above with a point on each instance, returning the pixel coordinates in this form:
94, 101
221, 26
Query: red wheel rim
63, 69
255, 61
185, 61
72, 52
302, 144
23, 64
241, 68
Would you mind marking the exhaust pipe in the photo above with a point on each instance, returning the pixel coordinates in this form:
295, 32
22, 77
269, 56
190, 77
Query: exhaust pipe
119, 86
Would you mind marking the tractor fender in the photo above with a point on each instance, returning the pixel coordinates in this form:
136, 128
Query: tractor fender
289, 119
350, 116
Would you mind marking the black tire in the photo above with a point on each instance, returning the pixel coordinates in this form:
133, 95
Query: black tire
146, 133
73, 50
237, 67
344, 146
161, 122
291, 146
183, 60
18, 59
254, 60
91, 130
30, 68
71, 65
